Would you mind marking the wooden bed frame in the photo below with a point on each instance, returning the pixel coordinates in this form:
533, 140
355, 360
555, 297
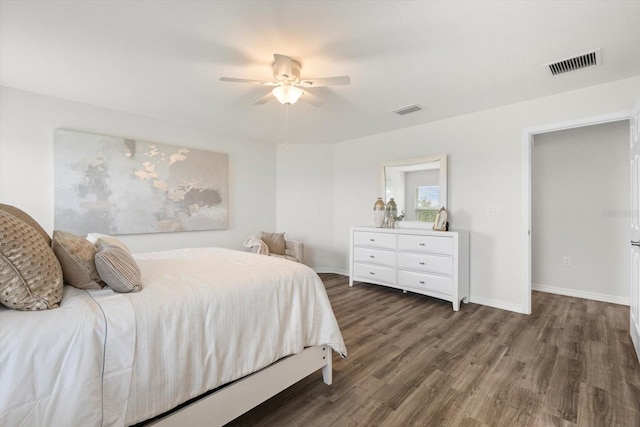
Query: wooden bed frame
233, 400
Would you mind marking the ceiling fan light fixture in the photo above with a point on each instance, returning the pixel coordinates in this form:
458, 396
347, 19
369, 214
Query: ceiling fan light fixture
287, 85
287, 95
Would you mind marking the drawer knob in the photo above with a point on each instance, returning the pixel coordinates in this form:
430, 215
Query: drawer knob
372, 239
422, 282
372, 273
422, 244
421, 262
372, 256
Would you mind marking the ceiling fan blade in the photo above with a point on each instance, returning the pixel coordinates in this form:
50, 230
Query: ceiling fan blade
259, 82
326, 81
311, 98
268, 97
282, 66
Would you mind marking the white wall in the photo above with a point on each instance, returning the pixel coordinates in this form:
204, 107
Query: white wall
305, 199
27, 123
485, 168
580, 209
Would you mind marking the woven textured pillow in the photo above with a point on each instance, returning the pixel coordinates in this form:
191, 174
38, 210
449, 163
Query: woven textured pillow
275, 242
117, 268
30, 274
76, 255
22, 215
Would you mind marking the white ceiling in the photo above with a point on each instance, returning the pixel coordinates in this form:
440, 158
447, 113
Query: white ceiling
163, 59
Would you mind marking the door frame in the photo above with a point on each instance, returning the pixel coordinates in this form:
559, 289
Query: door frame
527, 140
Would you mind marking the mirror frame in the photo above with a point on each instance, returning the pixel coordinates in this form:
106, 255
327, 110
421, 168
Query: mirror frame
413, 161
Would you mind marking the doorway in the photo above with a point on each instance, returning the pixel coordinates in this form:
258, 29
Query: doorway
527, 141
580, 212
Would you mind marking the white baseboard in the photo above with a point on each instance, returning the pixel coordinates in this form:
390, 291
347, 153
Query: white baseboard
502, 305
635, 337
476, 300
581, 294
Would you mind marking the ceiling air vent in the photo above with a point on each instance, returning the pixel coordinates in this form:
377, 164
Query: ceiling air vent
586, 60
406, 110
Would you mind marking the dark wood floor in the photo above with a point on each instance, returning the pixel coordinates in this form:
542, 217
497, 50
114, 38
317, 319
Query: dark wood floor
413, 361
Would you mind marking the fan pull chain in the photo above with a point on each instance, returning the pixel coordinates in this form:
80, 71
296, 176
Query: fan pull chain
286, 127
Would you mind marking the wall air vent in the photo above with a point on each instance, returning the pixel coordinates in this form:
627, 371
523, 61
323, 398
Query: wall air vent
586, 60
407, 109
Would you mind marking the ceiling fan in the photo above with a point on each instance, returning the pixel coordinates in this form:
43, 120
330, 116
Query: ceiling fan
287, 85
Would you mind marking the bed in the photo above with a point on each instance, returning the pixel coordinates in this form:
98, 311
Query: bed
209, 322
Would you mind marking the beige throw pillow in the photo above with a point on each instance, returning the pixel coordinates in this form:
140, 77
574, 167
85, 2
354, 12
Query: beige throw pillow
97, 237
76, 255
23, 216
275, 242
117, 268
30, 274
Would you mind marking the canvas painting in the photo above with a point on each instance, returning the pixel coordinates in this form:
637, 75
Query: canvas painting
114, 185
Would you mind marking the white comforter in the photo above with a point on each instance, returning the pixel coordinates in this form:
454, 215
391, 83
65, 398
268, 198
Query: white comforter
70, 366
209, 316
205, 317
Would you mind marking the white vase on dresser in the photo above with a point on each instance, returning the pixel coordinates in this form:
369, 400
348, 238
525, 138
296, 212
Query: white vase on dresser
434, 263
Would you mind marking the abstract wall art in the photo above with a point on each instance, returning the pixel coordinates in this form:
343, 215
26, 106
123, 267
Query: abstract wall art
114, 185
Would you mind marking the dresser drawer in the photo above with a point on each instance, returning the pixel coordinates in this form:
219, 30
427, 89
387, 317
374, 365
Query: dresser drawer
425, 282
374, 256
377, 240
433, 244
425, 262
374, 273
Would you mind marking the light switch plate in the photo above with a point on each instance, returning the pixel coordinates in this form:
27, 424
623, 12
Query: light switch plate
494, 210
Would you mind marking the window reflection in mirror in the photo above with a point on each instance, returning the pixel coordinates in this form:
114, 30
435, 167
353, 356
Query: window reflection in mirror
427, 203
418, 186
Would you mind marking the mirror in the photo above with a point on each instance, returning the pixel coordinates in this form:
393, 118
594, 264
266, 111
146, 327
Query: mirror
418, 186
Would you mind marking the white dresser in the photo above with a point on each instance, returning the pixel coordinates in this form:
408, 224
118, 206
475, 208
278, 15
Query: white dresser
434, 263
